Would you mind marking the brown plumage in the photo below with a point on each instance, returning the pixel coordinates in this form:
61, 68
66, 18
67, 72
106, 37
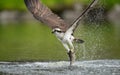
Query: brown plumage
45, 15
62, 30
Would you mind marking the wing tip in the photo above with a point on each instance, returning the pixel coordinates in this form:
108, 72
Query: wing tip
31, 2
27, 3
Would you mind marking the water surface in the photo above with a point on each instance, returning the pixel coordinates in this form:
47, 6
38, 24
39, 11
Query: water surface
93, 67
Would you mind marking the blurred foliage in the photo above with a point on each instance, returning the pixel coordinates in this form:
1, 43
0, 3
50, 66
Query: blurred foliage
11, 5
110, 3
19, 4
107, 3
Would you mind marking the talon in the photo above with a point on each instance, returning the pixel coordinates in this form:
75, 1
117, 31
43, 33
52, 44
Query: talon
71, 57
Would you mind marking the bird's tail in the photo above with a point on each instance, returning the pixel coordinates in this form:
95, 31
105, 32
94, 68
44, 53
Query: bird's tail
79, 41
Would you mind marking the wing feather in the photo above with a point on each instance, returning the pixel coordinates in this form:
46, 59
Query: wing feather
45, 15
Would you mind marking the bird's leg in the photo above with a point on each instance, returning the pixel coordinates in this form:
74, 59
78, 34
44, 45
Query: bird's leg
71, 53
71, 57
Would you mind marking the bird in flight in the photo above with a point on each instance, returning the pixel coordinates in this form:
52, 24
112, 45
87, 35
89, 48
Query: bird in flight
63, 31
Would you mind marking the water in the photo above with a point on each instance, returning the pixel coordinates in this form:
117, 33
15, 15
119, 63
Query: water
93, 67
24, 43
100, 42
29, 42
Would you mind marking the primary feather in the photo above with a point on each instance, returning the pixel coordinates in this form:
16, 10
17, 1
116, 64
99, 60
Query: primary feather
45, 15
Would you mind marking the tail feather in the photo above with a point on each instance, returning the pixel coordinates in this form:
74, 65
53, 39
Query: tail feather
79, 41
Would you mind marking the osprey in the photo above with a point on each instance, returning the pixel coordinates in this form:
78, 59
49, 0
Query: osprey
62, 30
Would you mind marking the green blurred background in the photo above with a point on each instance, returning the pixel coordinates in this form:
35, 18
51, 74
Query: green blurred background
19, 5
25, 39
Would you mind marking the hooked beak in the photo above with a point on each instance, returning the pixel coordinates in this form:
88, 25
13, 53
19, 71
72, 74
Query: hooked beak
53, 32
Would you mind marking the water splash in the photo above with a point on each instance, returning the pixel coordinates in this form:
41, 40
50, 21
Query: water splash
94, 67
84, 51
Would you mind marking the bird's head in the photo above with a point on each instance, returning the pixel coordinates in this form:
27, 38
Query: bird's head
57, 30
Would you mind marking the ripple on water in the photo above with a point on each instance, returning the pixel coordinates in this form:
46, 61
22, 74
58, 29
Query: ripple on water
94, 67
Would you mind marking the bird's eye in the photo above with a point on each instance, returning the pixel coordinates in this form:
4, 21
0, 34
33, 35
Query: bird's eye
59, 31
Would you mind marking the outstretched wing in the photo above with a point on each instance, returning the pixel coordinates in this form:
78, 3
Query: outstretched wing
75, 23
45, 15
